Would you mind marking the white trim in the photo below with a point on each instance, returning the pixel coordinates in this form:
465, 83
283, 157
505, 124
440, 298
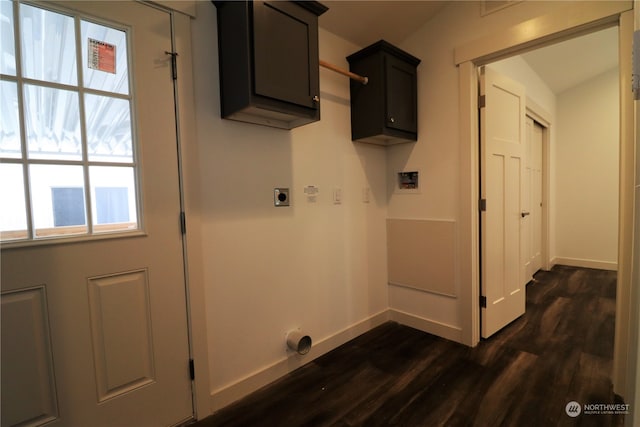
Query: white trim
418, 288
624, 328
585, 263
230, 393
537, 113
450, 332
632, 395
488, 7
194, 275
544, 29
421, 219
468, 213
187, 7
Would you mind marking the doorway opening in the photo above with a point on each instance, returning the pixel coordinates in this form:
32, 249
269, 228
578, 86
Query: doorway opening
574, 218
468, 57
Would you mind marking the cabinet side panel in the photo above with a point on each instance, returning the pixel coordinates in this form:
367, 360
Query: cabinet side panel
234, 52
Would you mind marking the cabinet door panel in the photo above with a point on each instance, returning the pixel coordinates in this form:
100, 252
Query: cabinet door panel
285, 45
401, 95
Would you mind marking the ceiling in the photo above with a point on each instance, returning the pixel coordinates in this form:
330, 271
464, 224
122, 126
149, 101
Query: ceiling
561, 65
364, 22
569, 63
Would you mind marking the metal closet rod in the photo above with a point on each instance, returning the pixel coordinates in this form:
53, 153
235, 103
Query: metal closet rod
354, 76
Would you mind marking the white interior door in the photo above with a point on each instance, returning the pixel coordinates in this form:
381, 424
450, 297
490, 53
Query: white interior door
502, 158
526, 225
535, 163
532, 202
94, 325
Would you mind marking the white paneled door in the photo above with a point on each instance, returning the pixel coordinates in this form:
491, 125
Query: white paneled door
94, 315
502, 169
535, 252
532, 202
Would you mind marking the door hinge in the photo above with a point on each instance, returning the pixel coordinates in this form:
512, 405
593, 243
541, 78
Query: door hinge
482, 101
174, 64
183, 223
482, 205
483, 301
192, 370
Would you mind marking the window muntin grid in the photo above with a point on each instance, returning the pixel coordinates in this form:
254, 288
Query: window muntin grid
65, 124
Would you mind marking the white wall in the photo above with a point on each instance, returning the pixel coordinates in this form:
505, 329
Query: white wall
333, 256
587, 156
436, 153
318, 266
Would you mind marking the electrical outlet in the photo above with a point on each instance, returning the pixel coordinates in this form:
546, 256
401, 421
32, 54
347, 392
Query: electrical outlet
281, 197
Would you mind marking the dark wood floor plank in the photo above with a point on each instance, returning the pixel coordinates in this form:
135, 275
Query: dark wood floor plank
599, 338
440, 357
560, 351
396, 387
501, 398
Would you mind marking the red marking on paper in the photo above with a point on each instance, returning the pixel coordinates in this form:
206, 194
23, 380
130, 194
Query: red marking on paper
102, 56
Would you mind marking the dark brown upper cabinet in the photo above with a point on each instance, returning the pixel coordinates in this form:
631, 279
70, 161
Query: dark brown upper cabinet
385, 110
268, 55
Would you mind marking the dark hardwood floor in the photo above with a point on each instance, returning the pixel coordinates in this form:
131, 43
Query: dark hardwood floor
525, 375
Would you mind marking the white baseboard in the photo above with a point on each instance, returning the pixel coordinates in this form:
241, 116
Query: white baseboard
229, 394
585, 263
450, 332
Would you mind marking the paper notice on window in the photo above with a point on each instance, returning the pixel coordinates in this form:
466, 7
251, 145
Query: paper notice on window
102, 56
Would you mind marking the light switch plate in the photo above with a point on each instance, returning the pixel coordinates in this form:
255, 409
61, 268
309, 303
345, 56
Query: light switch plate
337, 196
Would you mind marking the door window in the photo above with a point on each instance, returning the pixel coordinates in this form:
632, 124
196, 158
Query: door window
68, 163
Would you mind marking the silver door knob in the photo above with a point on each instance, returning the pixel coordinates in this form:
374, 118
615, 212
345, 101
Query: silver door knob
392, 120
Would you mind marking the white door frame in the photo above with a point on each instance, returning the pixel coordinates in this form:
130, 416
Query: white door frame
182, 14
564, 23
